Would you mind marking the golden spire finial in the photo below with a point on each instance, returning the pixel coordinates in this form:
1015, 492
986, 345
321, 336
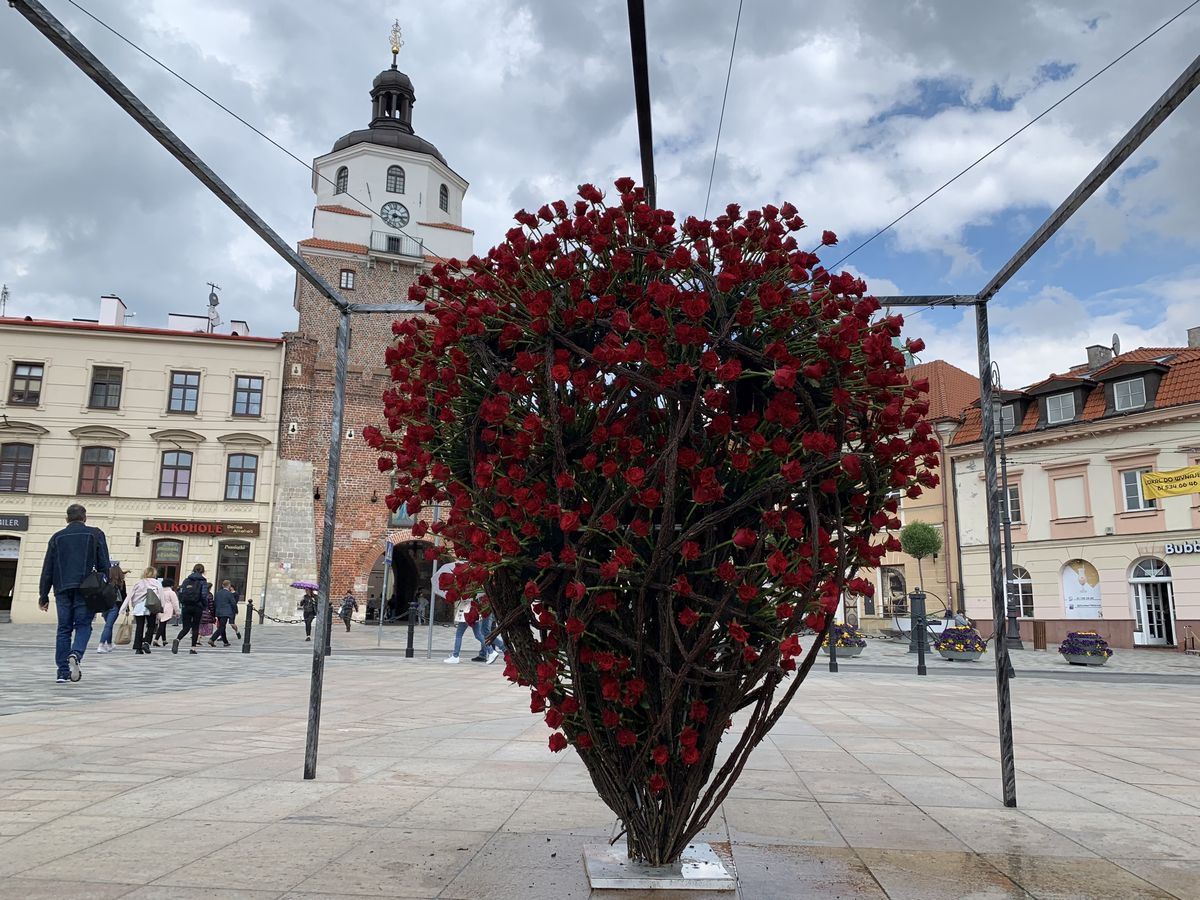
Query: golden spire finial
397, 41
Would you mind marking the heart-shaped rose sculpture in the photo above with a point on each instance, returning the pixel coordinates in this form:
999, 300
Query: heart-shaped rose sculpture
666, 452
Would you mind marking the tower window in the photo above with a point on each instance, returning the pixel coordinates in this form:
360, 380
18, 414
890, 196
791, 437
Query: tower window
395, 180
444, 198
341, 180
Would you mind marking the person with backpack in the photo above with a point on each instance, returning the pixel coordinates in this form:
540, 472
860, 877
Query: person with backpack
194, 597
145, 602
116, 580
170, 602
226, 609
72, 555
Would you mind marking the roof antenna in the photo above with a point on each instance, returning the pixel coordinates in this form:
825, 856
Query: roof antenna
1116, 344
3, 301
213, 318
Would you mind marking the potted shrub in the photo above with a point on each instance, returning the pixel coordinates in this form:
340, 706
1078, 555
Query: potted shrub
961, 643
661, 450
848, 640
1085, 648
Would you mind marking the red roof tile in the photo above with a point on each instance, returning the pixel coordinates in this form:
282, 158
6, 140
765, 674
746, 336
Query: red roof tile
343, 210
1180, 386
448, 226
341, 246
951, 390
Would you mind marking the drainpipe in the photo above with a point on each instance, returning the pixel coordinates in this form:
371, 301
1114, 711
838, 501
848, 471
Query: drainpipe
961, 604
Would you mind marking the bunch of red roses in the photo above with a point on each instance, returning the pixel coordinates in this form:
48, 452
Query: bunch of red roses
666, 452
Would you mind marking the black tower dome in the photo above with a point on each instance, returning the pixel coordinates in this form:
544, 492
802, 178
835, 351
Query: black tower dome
392, 99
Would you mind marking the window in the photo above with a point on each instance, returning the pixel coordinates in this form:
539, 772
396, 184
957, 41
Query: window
16, 463
26, 387
185, 392
893, 592
166, 557
96, 470
395, 180
240, 476
1129, 394
106, 388
247, 395
1131, 482
1006, 420
444, 198
347, 280
233, 562
176, 477
341, 180
898, 496
1060, 408
1022, 588
1014, 503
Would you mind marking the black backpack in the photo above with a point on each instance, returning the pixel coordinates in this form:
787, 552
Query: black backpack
189, 593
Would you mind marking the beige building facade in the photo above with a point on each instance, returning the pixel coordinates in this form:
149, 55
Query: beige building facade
167, 437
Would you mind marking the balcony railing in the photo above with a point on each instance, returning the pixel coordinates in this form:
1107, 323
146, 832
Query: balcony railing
397, 244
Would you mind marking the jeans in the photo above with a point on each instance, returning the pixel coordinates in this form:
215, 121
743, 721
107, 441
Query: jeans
110, 619
489, 625
477, 629
190, 620
219, 634
73, 616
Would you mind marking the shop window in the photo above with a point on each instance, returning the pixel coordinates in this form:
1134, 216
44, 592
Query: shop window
106, 387
16, 465
26, 386
233, 562
1131, 484
240, 476
176, 477
1022, 588
96, 470
247, 395
166, 557
185, 392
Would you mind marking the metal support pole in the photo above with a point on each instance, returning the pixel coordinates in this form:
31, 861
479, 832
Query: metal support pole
833, 663
641, 94
383, 595
249, 625
917, 626
1012, 635
324, 612
1008, 771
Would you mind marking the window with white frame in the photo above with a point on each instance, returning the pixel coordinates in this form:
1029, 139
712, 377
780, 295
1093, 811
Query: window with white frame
1060, 408
347, 280
1006, 419
898, 496
1129, 394
1131, 484
1014, 503
1022, 588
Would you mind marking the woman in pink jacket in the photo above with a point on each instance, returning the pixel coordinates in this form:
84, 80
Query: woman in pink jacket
146, 623
170, 602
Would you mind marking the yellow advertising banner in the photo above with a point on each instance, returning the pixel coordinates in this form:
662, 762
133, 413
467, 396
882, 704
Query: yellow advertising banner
1171, 484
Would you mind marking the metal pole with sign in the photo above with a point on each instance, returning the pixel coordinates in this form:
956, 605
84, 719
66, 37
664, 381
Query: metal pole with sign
383, 595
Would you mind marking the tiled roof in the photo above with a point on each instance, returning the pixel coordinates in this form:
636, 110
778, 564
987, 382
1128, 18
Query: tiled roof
1180, 386
448, 226
343, 210
951, 390
341, 246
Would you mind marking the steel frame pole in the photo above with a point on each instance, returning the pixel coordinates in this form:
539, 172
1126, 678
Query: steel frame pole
641, 95
1008, 770
1013, 632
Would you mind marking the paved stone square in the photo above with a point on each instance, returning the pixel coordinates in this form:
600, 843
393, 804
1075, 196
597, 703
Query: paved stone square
180, 777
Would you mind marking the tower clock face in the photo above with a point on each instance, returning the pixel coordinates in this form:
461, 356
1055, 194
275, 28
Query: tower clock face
394, 214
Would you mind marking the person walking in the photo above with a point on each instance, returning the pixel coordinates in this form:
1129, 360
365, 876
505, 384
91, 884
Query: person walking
170, 602
226, 609
145, 602
308, 609
194, 598
461, 625
71, 555
349, 605
116, 578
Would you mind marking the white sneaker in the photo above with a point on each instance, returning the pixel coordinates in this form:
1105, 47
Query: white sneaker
451, 660
104, 648
492, 654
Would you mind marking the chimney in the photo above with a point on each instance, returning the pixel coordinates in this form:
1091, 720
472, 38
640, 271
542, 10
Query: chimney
1194, 336
112, 310
1098, 355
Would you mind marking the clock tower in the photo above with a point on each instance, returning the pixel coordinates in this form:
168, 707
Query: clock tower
388, 206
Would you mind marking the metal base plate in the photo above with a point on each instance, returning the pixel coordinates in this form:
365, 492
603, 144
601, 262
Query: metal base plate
698, 869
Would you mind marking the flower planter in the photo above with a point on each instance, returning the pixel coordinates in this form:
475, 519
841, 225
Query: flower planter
961, 655
844, 652
1084, 659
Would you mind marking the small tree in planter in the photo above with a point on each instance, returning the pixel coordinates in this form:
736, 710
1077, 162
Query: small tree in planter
848, 640
665, 451
1085, 648
919, 540
960, 643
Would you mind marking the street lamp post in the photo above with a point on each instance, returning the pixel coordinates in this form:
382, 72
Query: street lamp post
1013, 629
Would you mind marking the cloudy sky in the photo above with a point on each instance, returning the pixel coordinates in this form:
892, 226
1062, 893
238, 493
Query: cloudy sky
853, 111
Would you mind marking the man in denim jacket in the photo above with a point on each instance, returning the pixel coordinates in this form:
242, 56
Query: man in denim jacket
71, 556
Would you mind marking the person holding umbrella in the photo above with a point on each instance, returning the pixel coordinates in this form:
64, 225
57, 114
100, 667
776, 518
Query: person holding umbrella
307, 605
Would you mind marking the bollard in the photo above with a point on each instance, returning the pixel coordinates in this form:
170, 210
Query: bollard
412, 622
249, 625
918, 634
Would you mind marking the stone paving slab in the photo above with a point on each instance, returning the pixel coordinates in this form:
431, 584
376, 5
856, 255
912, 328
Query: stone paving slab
172, 777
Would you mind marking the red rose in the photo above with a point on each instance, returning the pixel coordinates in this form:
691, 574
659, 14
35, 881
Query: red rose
690, 550
688, 617
726, 571
690, 756
569, 521
744, 538
574, 627
385, 464
554, 718
609, 718
569, 706
738, 633
656, 783
626, 738
557, 742
828, 238
584, 742
660, 755
689, 736
560, 373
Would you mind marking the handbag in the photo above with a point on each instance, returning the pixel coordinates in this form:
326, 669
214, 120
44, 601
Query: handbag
95, 586
153, 602
123, 633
